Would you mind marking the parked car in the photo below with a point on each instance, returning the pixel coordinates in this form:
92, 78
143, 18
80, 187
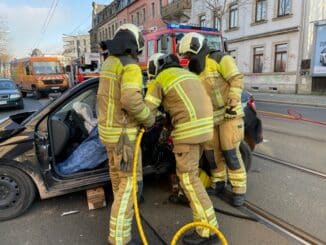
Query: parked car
10, 95
33, 143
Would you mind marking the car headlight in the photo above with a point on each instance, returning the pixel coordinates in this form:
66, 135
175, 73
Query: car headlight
14, 96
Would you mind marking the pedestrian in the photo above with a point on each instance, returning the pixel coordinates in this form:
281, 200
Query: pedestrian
122, 111
185, 99
224, 84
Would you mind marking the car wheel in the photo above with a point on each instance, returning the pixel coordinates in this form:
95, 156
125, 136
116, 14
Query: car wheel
24, 94
36, 93
21, 105
246, 155
17, 192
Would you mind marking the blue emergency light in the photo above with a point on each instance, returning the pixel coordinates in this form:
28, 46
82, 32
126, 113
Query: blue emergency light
173, 26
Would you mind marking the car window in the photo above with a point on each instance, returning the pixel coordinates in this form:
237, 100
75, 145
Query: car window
88, 97
6, 84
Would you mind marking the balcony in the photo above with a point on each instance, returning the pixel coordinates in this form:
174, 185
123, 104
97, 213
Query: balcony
178, 11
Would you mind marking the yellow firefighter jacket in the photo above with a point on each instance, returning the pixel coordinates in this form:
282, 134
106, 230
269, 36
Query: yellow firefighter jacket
185, 99
120, 101
222, 81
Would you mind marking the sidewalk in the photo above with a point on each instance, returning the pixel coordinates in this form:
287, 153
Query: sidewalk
296, 99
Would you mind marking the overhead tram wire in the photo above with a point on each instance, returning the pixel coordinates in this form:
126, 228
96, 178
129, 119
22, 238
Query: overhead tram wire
81, 23
47, 22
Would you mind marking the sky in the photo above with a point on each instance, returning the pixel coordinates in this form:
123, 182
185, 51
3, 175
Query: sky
25, 22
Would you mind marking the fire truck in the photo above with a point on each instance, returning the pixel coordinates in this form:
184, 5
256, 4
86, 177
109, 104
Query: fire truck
165, 40
87, 66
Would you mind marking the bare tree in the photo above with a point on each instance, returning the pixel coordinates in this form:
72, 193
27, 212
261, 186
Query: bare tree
221, 7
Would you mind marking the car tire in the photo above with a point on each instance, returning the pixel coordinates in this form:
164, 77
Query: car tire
21, 105
17, 192
246, 155
36, 94
24, 94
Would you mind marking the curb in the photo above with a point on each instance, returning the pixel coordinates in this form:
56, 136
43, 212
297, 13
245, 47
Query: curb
291, 103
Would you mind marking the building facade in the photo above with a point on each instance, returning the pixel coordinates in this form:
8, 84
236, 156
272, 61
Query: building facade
272, 40
75, 46
107, 18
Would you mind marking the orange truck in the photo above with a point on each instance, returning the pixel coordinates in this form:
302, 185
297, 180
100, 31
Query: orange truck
39, 75
165, 40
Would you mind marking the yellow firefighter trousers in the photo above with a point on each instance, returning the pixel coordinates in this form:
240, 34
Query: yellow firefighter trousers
226, 143
187, 166
122, 207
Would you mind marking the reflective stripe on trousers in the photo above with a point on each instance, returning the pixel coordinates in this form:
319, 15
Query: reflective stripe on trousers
122, 207
187, 161
227, 139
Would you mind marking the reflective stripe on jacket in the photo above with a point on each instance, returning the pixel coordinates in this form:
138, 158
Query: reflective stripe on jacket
222, 81
120, 100
186, 100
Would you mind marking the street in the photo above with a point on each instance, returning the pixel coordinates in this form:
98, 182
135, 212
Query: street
291, 195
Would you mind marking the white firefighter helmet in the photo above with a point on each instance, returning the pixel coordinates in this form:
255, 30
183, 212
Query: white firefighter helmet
135, 31
192, 42
154, 63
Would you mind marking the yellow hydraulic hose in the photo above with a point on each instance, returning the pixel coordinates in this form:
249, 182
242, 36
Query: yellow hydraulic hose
138, 220
134, 186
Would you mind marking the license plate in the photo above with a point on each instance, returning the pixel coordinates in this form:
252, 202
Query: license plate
54, 88
3, 102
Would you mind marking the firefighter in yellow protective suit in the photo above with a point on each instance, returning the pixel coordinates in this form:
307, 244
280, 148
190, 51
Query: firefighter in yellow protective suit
224, 83
185, 99
122, 111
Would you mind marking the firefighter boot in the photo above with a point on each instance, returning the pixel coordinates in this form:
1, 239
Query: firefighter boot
219, 187
195, 239
238, 199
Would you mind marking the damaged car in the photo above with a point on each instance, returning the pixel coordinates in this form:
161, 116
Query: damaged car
35, 145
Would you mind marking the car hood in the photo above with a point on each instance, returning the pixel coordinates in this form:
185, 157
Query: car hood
12, 125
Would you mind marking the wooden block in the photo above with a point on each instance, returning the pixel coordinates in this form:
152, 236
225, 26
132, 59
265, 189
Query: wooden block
96, 198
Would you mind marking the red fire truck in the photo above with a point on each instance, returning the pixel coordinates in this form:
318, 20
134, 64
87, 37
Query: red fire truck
86, 67
165, 41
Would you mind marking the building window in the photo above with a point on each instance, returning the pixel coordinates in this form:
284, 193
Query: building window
138, 19
258, 60
233, 16
280, 57
283, 7
202, 21
132, 19
110, 35
144, 15
106, 33
160, 6
153, 10
217, 23
261, 6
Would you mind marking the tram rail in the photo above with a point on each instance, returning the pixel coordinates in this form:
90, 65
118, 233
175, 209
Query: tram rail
289, 164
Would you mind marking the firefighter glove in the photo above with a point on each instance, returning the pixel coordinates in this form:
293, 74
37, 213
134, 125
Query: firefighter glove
230, 112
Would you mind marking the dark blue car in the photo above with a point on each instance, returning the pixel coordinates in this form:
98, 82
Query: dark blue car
10, 95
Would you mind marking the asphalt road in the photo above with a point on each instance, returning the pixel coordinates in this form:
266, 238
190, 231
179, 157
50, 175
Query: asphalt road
289, 194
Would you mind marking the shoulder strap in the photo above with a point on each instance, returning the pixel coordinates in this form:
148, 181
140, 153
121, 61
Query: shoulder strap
216, 55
